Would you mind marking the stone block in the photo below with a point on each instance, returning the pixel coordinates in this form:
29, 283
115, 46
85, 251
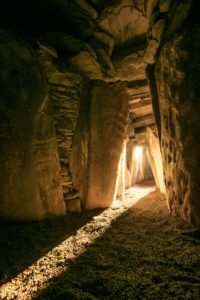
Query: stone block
73, 205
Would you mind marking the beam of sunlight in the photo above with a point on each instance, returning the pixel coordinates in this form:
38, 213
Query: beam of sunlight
117, 181
138, 154
138, 151
120, 173
123, 167
39, 275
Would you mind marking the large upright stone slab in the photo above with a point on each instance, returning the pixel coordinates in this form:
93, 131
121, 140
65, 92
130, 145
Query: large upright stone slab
30, 180
155, 159
108, 120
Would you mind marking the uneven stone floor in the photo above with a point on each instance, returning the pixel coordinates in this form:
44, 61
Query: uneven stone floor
134, 250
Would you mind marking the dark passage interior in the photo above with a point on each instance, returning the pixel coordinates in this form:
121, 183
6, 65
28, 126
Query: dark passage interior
99, 138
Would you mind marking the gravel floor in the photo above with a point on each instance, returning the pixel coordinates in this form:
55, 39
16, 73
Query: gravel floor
134, 250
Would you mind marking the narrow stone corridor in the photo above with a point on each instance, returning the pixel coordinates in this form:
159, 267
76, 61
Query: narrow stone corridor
98, 99
132, 250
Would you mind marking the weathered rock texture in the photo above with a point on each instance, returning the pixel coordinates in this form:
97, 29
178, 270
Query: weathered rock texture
177, 75
80, 149
131, 67
124, 21
108, 120
30, 180
155, 158
66, 92
65, 95
165, 18
98, 143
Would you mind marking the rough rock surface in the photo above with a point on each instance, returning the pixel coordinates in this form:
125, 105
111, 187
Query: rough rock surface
85, 63
98, 143
65, 100
131, 67
108, 120
30, 172
177, 75
155, 159
65, 93
80, 148
165, 18
124, 21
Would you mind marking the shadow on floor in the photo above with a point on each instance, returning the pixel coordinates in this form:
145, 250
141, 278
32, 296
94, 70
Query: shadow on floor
195, 234
21, 244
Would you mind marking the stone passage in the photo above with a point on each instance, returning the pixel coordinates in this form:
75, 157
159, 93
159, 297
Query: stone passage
62, 122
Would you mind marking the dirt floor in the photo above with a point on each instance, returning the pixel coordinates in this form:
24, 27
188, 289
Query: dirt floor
134, 250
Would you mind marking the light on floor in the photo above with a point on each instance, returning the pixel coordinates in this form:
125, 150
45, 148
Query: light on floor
39, 275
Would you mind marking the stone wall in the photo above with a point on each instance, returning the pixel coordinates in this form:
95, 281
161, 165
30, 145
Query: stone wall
65, 97
66, 89
80, 149
30, 180
177, 76
173, 51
